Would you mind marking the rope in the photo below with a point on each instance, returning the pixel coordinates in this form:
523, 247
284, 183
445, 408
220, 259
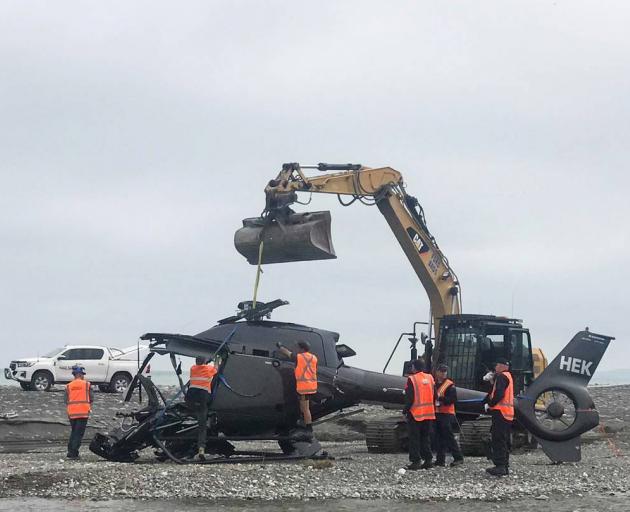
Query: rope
258, 272
613, 447
225, 382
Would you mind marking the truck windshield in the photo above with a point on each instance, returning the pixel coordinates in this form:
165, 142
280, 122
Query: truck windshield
53, 352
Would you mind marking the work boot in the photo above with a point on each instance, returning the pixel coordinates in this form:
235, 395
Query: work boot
72, 457
427, 464
414, 466
497, 471
201, 454
457, 462
309, 427
440, 463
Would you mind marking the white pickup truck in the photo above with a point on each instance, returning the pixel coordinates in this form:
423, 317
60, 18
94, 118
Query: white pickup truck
109, 368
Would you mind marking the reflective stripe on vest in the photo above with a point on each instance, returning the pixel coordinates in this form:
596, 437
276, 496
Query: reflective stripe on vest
201, 376
306, 373
506, 406
423, 407
78, 392
444, 409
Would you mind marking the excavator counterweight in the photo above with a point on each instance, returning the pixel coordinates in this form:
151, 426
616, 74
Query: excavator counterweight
297, 237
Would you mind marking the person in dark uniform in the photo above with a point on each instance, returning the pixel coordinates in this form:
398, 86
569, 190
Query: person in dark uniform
500, 404
420, 413
445, 398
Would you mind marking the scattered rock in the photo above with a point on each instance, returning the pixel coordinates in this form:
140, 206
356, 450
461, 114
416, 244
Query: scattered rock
354, 473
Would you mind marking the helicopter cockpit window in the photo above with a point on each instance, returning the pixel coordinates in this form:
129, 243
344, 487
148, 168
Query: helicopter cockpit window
261, 353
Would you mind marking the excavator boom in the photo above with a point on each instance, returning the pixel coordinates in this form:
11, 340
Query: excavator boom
287, 236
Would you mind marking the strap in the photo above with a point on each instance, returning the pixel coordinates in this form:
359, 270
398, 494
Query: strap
225, 382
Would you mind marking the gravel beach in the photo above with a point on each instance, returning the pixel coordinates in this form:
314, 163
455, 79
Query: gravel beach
41, 471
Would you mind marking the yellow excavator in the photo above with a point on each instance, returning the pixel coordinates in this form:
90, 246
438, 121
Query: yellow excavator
467, 343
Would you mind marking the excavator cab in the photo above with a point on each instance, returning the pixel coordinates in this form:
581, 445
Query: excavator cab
471, 344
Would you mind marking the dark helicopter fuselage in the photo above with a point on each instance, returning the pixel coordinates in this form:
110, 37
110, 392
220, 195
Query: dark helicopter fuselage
256, 392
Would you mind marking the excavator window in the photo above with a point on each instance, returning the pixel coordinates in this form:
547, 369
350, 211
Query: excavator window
461, 355
520, 351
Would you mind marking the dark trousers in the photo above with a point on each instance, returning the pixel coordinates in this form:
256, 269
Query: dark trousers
197, 400
445, 439
500, 431
76, 436
419, 440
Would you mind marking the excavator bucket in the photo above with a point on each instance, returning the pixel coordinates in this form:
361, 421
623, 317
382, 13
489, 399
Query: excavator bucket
300, 237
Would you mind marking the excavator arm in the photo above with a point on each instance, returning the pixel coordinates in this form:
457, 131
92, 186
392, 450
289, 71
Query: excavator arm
289, 236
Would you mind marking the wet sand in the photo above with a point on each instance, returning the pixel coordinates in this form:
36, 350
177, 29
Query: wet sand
586, 503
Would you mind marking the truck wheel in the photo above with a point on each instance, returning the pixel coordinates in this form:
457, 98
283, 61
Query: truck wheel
120, 382
26, 386
41, 381
103, 388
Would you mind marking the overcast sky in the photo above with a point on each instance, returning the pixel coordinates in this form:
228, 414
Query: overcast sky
135, 136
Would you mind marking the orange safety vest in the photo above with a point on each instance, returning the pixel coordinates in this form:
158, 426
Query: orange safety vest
441, 391
78, 392
201, 376
423, 407
506, 406
306, 373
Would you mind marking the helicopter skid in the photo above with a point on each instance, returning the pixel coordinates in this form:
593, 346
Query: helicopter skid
300, 450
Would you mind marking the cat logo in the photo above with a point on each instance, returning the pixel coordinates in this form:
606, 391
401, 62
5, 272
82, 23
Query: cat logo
575, 365
417, 241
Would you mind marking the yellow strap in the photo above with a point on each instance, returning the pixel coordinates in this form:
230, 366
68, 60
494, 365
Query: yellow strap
442, 389
258, 272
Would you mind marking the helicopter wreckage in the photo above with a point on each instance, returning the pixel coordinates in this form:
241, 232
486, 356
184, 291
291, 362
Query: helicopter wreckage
253, 395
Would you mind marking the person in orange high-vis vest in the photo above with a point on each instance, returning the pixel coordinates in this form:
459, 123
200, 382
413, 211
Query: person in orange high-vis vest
500, 404
420, 412
445, 398
305, 377
79, 399
197, 396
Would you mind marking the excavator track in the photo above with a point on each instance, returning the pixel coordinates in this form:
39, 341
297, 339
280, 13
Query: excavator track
474, 437
386, 436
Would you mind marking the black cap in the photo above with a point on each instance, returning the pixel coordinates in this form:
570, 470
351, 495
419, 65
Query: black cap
502, 360
418, 364
442, 368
